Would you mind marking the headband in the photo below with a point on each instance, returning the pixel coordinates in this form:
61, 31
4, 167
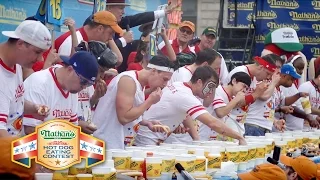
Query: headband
265, 64
160, 68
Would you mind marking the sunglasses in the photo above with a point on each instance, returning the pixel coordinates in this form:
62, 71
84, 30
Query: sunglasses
84, 81
183, 30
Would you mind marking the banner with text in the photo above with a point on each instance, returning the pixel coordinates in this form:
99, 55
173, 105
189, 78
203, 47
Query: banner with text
301, 15
57, 145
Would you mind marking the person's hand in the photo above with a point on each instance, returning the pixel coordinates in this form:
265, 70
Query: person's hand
100, 89
303, 94
156, 126
128, 36
275, 77
155, 96
287, 109
40, 111
261, 88
240, 97
180, 130
314, 123
53, 57
242, 141
163, 32
280, 124
70, 23
87, 127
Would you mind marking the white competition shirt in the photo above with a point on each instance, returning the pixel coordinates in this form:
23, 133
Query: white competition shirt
260, 113
176, 103
105, 116
84, 108
314, 94
234, 120
11, 98
183, 74
292, 122
42, 87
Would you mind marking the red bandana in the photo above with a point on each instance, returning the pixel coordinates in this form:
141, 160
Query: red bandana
265, 64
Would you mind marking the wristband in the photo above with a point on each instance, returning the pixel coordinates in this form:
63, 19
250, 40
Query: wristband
249, 99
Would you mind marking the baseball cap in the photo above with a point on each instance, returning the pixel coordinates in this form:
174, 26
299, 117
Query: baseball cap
289, 69
188, 24
304, 166
264, 172
107, 18
32, 32
210, 31
285, 38
84, 64
9, 167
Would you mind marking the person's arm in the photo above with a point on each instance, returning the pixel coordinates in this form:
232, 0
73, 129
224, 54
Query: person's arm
52, 58
225, 110
292, 99
189, 124
170, 51
219, 127
99, 91
114, 48
126, 111
137, 19
269, 92
74, 39
34, 94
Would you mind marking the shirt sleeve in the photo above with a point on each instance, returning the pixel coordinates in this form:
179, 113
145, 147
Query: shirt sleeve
4, 109
223, 71
35, 94
192, 106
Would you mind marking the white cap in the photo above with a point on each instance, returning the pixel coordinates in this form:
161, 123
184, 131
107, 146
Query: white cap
32, 32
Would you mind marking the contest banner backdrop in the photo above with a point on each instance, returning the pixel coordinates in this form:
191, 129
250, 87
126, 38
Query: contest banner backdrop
57, 145
301, 15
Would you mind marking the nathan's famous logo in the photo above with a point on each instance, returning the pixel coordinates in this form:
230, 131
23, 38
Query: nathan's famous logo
262, 15
316, 28
56, 145
315, 51
10, 15
304, 16
315, 4
273, 25
313, 40
241, 5
47, 134
283, 4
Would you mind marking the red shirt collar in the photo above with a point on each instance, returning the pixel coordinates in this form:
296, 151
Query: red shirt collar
83, 33
7, 67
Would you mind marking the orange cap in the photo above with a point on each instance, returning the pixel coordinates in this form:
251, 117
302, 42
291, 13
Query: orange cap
188, 24
304, 166
264, 172
7, 166
107, 18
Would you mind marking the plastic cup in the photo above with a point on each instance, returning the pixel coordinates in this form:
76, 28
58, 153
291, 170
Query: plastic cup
43, 176
305, 102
